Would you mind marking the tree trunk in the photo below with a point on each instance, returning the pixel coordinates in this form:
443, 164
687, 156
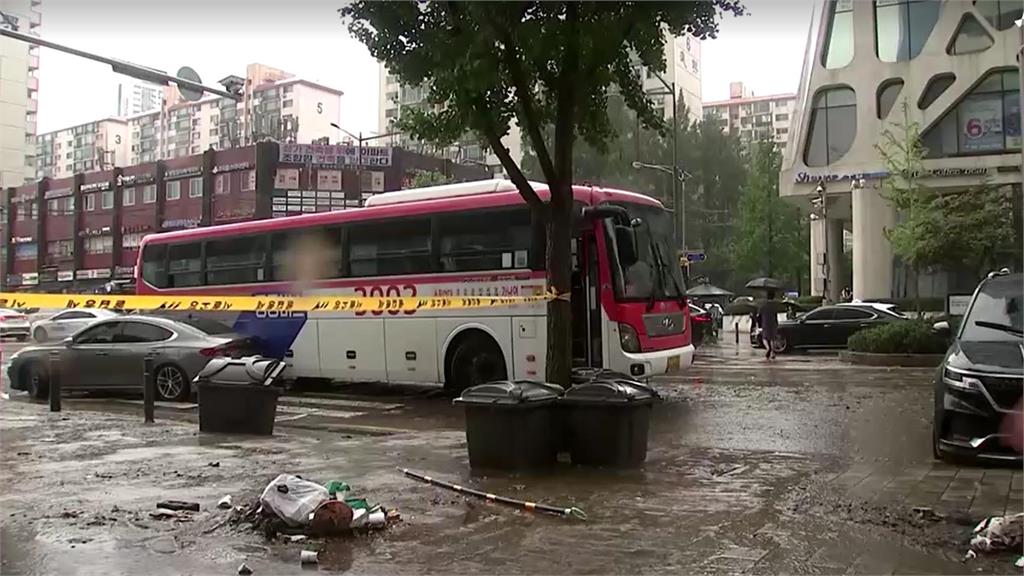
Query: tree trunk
559, 261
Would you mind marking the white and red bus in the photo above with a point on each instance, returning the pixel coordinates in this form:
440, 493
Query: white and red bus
473, 238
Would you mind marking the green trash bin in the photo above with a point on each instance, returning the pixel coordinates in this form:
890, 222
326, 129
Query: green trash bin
511, 425
607, 421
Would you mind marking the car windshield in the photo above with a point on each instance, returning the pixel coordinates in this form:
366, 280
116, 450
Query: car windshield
656, 272
998, 302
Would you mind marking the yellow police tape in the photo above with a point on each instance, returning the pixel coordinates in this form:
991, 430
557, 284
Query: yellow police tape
265, 303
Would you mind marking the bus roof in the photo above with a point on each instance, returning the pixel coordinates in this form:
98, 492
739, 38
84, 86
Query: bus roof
446, 198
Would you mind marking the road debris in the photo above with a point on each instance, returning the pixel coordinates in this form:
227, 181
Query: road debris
297, 538
971, 555
224, 503
309, 557
293, 499
244, 569
178, 505
998, 533
926, 513
529, 506
213, 464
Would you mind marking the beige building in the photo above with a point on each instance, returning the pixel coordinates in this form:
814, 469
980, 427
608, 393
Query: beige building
954, 65
754, 117
19, 89
92, 146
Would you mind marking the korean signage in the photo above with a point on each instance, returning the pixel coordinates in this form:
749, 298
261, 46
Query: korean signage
65, 276
59, 193
180, 223
232, 167
981, 123
286, 178
124, 271
95, 187
93, 274
183, 172
807, 178
133, 179
328, 180
334, 154
30, 279
23, 199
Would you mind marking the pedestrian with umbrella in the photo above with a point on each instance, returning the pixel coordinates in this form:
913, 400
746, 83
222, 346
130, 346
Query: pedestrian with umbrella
768, 312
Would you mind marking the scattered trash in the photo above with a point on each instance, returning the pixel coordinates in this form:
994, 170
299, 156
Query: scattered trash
214, 465
1020, 562
331, 517
969, 556
530, 506
998, 533
178, 505
393, 516
164, 514
309, 557
23, 453
293, 499
334, 487
377, 519
298, 538
926, 513
224, 503
244, 569
357, 503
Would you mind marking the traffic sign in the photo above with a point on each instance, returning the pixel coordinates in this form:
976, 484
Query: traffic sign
697, 256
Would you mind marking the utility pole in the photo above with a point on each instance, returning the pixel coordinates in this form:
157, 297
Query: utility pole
359, 150
678, 192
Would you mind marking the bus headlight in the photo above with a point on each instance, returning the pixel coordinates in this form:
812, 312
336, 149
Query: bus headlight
628, 338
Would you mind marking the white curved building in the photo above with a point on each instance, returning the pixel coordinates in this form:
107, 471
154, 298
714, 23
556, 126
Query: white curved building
954, 62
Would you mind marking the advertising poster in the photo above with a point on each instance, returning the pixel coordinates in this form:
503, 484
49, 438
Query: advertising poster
981, 123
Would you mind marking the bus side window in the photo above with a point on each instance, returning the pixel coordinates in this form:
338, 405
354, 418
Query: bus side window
314, 255
154, 263
235, 260
485, 240
185, 265
390, 247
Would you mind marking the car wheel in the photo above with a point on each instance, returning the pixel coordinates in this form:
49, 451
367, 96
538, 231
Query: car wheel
780, 344
37, 382
476, 359
171, 384
40, 334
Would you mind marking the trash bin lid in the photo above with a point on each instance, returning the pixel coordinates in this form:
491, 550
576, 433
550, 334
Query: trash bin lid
583, 375
510, 392
610, 391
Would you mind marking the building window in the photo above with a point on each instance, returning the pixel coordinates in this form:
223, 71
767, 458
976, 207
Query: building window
935, 87
128, 197
19, 213
195, 187
1001, 14
27, 251
106, 200
781, 117
149, 194
90, 202
693, 64
33, 211
833, 126
287, 104
839, 42
174, 190
902, 27
248, 180
888, 91
970, 37
99, 244
221, 183
132, 241
60, 248
987, 120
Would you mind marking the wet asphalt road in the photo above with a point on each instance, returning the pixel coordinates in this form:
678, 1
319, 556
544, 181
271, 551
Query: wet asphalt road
741, 476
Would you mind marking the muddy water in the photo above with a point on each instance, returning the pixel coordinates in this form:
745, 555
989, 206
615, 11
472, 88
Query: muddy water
733, 446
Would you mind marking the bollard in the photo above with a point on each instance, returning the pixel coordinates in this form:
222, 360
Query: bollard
736, 331
148, 388
54, 377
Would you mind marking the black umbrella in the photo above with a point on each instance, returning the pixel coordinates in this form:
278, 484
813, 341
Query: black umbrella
764, 283
740, 306
707, 290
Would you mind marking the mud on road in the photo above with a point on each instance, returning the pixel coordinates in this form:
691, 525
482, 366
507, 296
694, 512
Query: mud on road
749, 470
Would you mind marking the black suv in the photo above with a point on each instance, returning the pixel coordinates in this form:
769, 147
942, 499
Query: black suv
981, 379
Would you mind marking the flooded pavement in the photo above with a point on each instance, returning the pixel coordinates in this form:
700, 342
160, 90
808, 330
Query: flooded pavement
806, 465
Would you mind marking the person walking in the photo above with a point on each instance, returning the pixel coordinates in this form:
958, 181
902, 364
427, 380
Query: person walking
768, 314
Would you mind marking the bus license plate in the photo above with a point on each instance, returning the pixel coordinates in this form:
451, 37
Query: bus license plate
673, 364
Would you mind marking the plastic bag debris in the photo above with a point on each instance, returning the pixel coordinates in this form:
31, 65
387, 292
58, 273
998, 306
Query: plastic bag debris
224, 503
1020, 562
998, 533
293, 499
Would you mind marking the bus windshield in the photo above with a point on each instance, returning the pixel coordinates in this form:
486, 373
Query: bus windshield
656, 273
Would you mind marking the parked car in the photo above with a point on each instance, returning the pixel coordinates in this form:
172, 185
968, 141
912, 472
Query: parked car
701, 324
981, 379
67, 322
828, 326
883, 306
108, 355
13, 324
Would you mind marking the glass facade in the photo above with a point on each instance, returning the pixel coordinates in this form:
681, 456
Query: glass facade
986, 121
839, 42
1001, 14
970, 37
833, 126
887, 94
902, 27
936, 86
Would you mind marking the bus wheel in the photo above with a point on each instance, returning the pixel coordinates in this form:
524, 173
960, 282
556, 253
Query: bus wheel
474, 359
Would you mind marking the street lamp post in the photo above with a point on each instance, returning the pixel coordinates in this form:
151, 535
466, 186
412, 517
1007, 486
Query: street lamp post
678, 187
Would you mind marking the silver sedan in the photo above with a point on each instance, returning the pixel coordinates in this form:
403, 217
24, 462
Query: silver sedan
67, 322
108, 355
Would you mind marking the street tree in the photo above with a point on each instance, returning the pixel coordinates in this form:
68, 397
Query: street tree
772, 236
424, 178
542, 64
956, 230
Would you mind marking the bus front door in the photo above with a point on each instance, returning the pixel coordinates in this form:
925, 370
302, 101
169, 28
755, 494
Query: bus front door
586, 308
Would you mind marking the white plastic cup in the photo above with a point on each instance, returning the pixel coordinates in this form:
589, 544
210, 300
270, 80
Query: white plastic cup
308, 557
377, 519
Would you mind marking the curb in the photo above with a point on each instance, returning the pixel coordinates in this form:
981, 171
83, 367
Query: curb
904, 360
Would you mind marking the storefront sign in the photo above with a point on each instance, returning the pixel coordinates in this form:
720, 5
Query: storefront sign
134, 179
95, 187
981, 122
232, 167
59, 193
95, 231
135, 228
235, 214
30, 278
334, 154
286, 178
14, 279
807, 178
328, 180
183, 172
65, 275
93, 274
24, 198
180, 223
22, 239
48, 275
124, 271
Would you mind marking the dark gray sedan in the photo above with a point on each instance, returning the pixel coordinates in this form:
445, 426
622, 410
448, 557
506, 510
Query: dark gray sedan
108, 355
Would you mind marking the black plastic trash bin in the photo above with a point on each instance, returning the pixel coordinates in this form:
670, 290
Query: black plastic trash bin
511, 425
606, 422
236, 396
586, 375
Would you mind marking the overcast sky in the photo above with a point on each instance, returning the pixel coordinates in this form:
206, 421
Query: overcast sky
305, 37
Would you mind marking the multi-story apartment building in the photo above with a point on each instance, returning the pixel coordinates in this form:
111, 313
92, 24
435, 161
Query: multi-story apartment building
952, 67
754, 117
19, 67
682, 56
138, 97
92, 146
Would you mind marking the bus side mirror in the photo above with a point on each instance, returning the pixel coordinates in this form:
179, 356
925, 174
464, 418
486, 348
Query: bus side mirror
625, 239
605, 211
